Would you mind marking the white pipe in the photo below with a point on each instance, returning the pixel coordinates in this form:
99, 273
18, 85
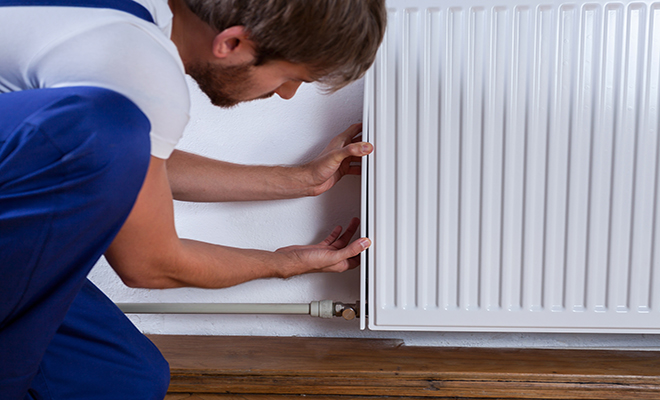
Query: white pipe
323, 308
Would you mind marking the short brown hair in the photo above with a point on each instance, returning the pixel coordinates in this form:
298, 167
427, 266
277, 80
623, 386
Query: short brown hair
336, 39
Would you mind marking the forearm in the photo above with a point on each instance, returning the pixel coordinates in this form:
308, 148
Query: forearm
197, 178
191, 263
214, 266
201, 179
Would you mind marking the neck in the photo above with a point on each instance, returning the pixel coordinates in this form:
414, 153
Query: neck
192, 36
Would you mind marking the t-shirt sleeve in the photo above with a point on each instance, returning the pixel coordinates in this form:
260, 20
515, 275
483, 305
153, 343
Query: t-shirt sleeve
131, 60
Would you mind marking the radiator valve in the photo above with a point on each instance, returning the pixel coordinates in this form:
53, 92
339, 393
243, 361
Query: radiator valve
329, 309
347, 311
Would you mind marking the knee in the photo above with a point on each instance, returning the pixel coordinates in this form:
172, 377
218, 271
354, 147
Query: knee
70, 132
157, 379
100, 140
122, 134
118, 127
103, 138
147, 366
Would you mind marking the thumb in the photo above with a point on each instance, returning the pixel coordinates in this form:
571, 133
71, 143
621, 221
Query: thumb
353, 249
359, 149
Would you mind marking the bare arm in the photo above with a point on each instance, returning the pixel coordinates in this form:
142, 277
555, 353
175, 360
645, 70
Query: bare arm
197, 178
148, 253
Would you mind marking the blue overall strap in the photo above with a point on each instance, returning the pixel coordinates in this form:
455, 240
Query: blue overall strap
128, 6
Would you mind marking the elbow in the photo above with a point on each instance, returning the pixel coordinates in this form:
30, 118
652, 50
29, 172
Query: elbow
141, 282
145, 269
138, 281
134, 283
146, 276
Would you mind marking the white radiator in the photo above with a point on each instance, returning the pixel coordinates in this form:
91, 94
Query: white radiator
514, 183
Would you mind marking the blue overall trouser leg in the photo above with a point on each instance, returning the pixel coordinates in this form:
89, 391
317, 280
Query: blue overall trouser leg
97, 353
72, 161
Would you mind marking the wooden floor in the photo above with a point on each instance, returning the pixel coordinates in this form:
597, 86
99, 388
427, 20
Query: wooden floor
192, 396
259, 368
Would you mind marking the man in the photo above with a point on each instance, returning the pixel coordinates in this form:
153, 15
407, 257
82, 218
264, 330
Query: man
94, 101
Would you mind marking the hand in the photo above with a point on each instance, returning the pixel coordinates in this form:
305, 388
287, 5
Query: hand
334, 254
335, 160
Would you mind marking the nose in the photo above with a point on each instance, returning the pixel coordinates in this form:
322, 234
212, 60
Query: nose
288, 90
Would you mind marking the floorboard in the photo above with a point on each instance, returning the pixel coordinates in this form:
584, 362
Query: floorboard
255, 368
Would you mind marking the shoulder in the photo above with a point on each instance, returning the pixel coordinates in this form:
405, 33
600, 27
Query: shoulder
109, 49
130, 60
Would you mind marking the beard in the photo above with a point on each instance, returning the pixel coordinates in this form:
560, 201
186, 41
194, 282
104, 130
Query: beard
224, 85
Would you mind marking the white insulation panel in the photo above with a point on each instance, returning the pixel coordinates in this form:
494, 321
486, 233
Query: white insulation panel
514, 183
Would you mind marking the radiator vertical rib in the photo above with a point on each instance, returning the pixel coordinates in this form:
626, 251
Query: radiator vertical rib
514, 185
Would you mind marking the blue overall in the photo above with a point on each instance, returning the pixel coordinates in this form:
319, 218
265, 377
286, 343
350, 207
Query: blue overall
72, 161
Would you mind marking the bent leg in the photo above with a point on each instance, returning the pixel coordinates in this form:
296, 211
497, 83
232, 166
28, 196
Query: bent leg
72, 161
97, 354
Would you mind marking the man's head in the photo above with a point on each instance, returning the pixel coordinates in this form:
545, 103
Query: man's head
229, 85
330, 41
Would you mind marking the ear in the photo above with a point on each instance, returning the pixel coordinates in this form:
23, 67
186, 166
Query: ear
233, 45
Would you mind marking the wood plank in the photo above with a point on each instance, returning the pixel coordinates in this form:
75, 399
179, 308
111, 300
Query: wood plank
191, 396
359, 367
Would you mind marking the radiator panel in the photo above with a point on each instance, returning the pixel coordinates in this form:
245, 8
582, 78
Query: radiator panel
514, 182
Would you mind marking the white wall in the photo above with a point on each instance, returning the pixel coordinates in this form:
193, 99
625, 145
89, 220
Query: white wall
275, 131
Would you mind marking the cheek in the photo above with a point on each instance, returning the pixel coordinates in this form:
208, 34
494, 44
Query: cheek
268, 82
271, 86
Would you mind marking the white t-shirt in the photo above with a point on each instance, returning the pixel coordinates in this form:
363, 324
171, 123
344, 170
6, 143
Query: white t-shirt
50, 47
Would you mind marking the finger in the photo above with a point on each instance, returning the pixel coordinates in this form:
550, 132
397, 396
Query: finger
353, 262
340, 242
349, 256
348, 153
330, 239
353, 166
343, 265
351, 132
346, 237
359, 149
